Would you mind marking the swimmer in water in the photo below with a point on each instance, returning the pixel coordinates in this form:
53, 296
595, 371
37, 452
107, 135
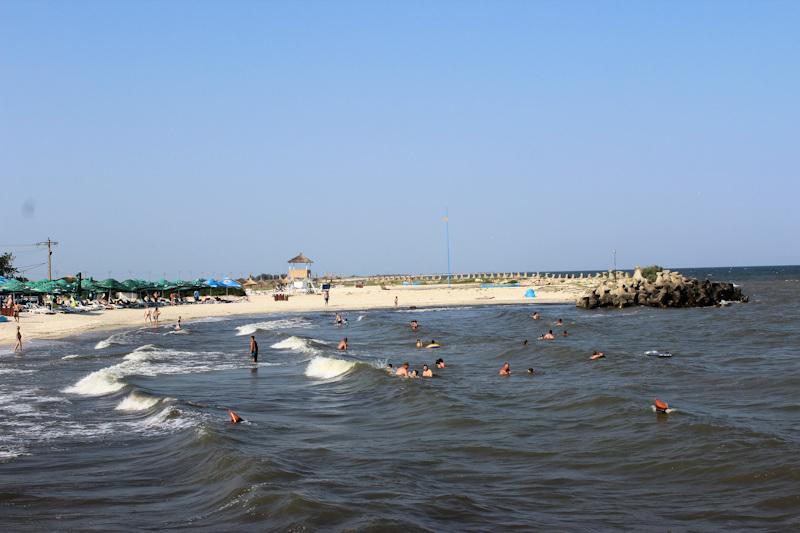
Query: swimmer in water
440, 363
548, 336
402, 370
505, 370
597, 355
565, 334
419, 343
525, 342
414, 325
530, 371
338, 319
389, 368
559, 322
342, 344
433, 344
426, 372
413, 374
535, 315
253, 348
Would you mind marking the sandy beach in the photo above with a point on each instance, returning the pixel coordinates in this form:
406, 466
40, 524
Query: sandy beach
342, 299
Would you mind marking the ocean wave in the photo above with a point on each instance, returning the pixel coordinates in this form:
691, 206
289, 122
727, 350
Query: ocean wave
114, 339
16, 371
168, 419
136, 401
432, 309
328, 367
297, 344
270, 325
149, 360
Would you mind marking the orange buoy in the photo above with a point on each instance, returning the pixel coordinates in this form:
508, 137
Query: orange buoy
661, 406
235, 419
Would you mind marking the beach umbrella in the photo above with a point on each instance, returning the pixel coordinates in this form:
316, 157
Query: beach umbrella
33, 286
89, 285
228, 282
13, 285
108, 284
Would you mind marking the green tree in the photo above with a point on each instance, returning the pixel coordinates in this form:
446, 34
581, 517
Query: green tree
7, 265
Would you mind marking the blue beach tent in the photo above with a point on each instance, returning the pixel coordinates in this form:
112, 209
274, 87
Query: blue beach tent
530, 293
228, 282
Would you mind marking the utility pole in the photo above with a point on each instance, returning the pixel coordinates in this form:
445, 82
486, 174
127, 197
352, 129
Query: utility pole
614, 255
49, 243
447, 236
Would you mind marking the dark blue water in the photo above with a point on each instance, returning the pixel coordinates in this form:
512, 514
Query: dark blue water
130, 431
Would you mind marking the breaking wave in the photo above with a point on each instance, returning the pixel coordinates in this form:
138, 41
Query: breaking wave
328, 367
269, 325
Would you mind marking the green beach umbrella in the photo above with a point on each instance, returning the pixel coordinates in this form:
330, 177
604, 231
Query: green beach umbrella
109, 284
13, 285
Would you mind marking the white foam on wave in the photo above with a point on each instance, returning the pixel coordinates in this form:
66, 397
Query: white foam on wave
137, 401
297, 344
432, 309
116, 338
328, 367
73, 356
149, 360
360, 318
16, 371
270, 325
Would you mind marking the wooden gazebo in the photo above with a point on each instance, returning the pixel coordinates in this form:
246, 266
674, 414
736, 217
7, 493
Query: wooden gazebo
298, 267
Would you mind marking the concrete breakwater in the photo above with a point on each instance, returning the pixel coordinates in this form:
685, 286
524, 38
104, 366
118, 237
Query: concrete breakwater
669, 289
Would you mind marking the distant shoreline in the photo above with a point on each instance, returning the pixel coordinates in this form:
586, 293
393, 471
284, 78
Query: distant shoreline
346, 299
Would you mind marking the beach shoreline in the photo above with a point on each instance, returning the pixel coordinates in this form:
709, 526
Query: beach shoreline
343, 299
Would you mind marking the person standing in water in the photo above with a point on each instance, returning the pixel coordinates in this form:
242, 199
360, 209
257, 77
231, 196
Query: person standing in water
147, 316
505, 371
253, 348
156, 314
342, 344
18, 346
178, 325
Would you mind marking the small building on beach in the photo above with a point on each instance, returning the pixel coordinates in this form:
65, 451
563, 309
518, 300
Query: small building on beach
299, 267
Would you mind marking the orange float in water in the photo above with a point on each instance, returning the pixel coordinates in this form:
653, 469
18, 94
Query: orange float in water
235, 419
661, 406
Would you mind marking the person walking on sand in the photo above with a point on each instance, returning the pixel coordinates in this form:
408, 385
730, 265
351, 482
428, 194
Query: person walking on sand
326, 295
147, 315
253, 348
17, 308
156, 313
395, 301
18, 346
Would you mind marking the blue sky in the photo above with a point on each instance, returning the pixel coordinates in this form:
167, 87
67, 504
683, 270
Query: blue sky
221, 138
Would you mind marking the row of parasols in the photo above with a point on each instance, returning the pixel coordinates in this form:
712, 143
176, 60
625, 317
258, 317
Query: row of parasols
88, 285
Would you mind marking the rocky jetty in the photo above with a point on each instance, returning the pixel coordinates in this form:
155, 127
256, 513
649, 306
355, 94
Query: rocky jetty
669, 289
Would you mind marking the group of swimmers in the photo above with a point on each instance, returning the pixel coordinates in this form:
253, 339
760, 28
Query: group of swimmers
404, 372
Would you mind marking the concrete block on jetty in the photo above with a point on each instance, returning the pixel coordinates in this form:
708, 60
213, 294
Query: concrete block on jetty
668, 289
